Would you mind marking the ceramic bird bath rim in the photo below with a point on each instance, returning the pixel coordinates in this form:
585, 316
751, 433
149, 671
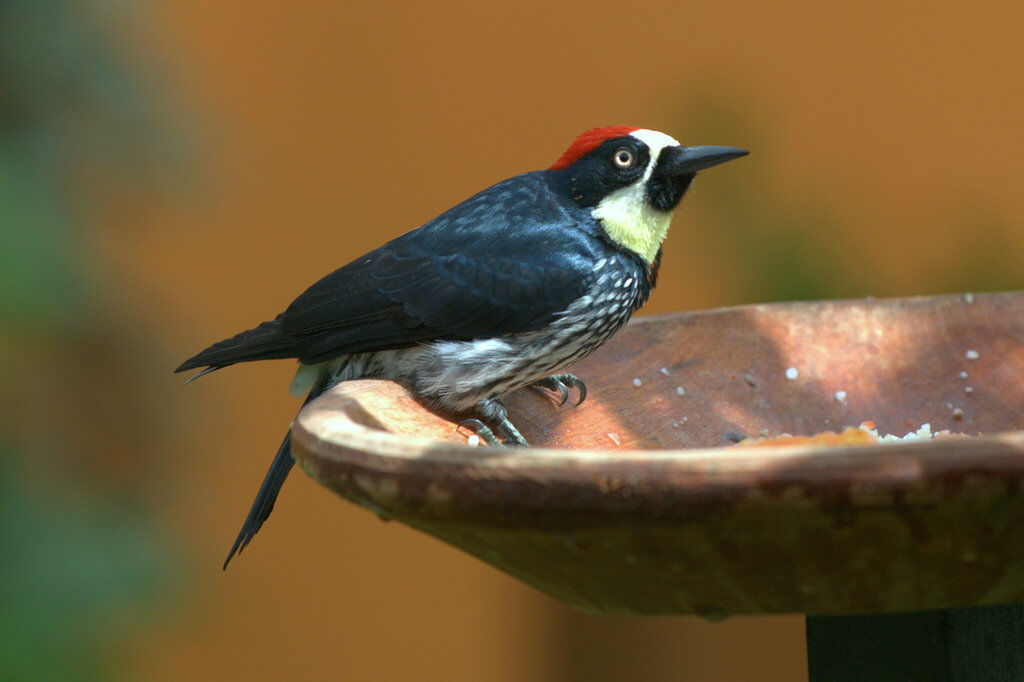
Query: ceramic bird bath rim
635, 503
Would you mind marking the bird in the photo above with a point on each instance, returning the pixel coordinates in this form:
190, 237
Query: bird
501, 292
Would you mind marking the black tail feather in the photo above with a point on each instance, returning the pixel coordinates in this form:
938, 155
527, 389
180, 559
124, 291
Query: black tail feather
268, 341
211, 368
265, 498
272, 482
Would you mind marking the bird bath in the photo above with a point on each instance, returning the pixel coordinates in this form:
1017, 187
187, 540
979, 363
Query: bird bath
638, 501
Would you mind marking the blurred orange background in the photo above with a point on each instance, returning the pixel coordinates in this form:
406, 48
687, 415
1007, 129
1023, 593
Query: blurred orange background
886, 159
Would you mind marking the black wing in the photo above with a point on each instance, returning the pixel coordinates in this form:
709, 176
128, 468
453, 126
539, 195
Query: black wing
505, 261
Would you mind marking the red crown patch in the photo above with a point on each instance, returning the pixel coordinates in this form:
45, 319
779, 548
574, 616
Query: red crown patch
588, 142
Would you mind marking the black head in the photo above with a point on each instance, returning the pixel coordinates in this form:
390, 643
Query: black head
632, 180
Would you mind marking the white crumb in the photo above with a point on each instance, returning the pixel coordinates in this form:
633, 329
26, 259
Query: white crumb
968, 298
840, 397
792, 373
963, 374
958, 414
675, 425
664, 370
615, 439
680, 390
923, 433
968, 390
972, 355
637, 382
473, 440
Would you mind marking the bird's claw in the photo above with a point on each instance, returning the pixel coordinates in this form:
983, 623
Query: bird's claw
512, 436
561, 383
553, 384
480, 429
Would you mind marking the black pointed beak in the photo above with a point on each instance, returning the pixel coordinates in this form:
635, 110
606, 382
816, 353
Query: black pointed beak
680, 160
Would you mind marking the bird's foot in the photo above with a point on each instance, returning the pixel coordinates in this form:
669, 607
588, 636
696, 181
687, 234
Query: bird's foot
494, 412
482, 430
561, 383
511, 433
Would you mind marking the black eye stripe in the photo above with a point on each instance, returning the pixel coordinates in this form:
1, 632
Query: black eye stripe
598, 174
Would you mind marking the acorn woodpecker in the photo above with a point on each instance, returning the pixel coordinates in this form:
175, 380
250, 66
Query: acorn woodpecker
501, 292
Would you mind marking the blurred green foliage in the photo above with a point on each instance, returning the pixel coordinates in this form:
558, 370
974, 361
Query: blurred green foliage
39, 283
78, 115
71, 564
781, 251
778, 251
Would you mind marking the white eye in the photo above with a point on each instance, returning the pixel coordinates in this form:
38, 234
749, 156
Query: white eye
623, 158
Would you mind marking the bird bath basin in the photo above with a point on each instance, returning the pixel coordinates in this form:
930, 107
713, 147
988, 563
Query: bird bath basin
638, 501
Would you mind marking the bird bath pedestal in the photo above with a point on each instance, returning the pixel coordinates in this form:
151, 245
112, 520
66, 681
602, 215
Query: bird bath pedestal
907, 558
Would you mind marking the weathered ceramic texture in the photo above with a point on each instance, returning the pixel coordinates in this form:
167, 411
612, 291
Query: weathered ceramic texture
633, 503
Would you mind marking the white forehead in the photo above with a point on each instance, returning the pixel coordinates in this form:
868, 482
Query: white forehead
655, 141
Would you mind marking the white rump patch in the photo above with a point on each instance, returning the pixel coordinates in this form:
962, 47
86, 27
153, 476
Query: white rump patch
305, 377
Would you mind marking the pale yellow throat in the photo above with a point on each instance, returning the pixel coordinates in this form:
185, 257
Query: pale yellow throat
633, 223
